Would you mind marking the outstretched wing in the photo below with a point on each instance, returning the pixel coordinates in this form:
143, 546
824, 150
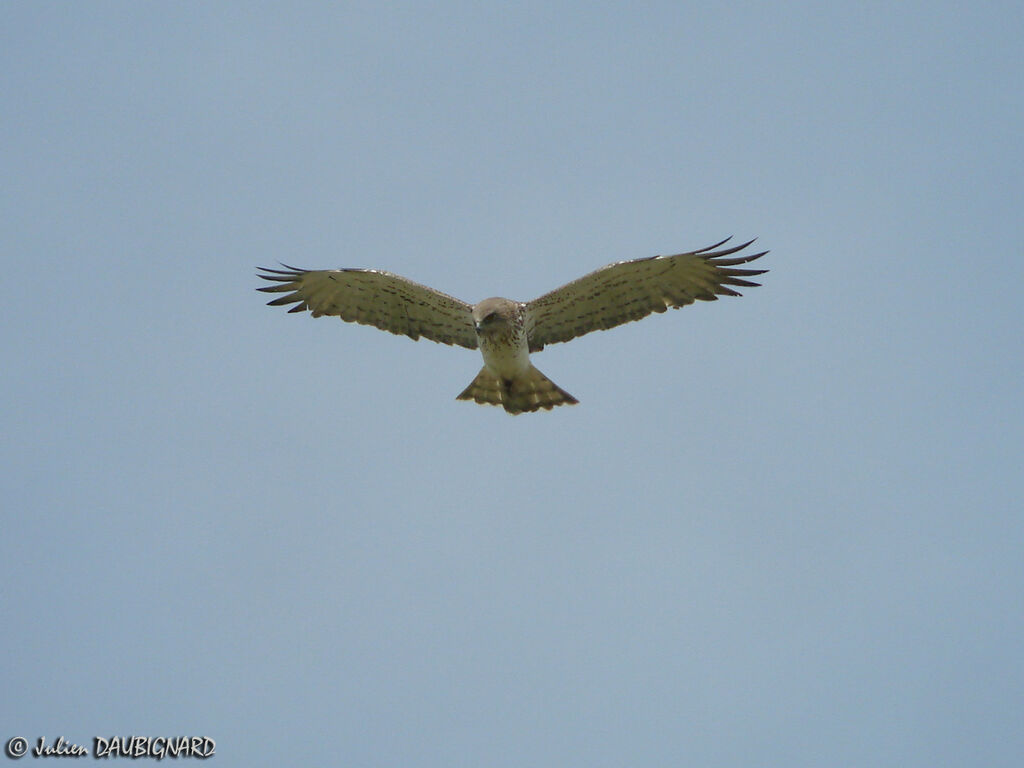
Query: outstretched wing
630, 290
374, 297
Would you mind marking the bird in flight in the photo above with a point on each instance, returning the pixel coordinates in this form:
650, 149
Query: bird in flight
506, 331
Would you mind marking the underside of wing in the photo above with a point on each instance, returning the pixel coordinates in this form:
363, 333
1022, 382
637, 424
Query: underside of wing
630, 290
374, 297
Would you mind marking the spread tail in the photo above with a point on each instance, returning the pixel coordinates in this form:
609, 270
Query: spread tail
530, 391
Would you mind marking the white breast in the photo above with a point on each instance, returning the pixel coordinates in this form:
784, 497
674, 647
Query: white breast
506, 355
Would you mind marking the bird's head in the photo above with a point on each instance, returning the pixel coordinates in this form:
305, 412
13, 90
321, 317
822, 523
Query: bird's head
492, 315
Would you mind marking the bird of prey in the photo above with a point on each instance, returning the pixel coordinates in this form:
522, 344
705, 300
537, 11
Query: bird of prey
506, 331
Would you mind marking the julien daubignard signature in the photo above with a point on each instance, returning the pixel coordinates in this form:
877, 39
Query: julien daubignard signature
132, 747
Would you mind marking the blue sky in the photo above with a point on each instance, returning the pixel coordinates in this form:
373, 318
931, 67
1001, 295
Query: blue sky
781, 530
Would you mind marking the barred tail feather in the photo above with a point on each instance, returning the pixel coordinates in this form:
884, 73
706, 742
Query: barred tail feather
529, 392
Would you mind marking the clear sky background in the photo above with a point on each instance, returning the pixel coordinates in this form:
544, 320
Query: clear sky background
781, 530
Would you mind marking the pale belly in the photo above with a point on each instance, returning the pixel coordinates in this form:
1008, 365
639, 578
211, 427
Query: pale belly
505, 358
